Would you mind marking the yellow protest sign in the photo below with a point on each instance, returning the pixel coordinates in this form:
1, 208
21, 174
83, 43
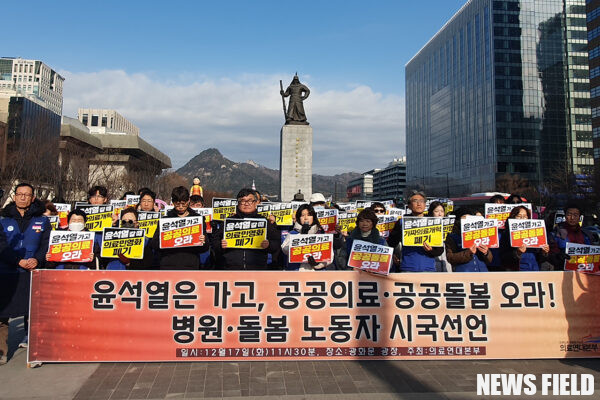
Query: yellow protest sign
129, 242
417, 230
148, 221
98, 216
283, 212
223, 208
347, 221
247, 233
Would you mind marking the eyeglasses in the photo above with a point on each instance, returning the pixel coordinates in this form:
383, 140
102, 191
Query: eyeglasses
246, 202
23, 194
379, 210
417, 201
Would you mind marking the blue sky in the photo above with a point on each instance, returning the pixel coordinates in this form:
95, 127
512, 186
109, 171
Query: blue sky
150, 60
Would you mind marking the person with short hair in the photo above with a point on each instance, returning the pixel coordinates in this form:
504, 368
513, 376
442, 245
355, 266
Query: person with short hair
436, 209
27, 233
415, 258
196, 201
246, 259
366, 230
378, 208
98, 195
497, 199
568, 231
182, 258
76, 223
147, 200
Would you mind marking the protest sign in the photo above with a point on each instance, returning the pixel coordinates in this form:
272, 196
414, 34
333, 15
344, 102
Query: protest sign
417, 230
207, 213
347, 221
328, 219
385, 223
98, 216
396, 212
118, 206
54, 221
148, 221
478, 232
126, 241
502, 211
223, 208
320, 247
583, 258
283, 212
67, 246
528, 232
247, 233
387, 204
63, 212
132, 200
180, 232
348, 207
362, 204
448, 226
370, 257
297, 204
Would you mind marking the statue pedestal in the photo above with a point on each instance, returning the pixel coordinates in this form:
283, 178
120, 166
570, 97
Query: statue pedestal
295, 161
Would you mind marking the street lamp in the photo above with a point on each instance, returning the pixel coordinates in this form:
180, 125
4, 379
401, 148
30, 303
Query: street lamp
539, 173
447, 184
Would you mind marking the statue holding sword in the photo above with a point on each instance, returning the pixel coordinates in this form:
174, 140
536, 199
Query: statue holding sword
297, 93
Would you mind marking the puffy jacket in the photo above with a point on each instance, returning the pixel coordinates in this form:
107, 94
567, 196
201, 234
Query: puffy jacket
305, 266
414, 258
463, 260
512, 260
26, 236
241, 259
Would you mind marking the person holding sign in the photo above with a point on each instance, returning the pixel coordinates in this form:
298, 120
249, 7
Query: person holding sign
185, 257
307, 223
246, 258
147, 201
570, 230
521, 258
415, 258
366, 222
129, 220
436, 209
473, 259
76, 219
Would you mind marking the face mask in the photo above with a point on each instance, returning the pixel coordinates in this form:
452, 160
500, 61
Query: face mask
76, 226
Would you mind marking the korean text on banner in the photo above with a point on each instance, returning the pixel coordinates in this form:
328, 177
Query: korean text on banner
370, 257
118, 206
320, 247
126, 241
67, 246
583, 258
283, 212
223, 208
63, 212
207, 213
479, 232
417, 230
132, 200
98, 216
528, 232
448, 226
396, 212
54, 221
148, 221
246, 233
338, 315
385, 224
347, 221
328, 219
180, 232
502, 211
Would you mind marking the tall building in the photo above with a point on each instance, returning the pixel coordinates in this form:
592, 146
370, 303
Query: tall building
502, 87
361, 188
593, 27
32, 79
389, 183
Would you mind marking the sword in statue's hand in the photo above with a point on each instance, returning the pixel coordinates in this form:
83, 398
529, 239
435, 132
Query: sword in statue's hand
282, 99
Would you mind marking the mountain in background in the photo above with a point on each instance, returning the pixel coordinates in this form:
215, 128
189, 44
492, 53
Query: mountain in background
220, 174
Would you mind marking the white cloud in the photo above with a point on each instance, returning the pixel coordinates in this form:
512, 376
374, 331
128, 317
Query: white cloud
354, 129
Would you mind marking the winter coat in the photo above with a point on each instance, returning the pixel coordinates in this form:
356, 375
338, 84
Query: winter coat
463, 260
414, 258
305, 266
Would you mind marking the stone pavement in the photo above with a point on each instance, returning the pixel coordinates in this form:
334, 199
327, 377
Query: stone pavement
329, 380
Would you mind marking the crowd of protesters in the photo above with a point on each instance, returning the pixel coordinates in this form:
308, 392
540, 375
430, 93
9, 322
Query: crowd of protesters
25, 231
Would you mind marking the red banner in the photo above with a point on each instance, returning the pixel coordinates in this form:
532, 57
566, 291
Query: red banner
180, 232
479, 232
259, 315
528, 232
320, 247
370, 257
67, 246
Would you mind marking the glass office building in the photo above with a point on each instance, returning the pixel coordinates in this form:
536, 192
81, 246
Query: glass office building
593, 26
503, 87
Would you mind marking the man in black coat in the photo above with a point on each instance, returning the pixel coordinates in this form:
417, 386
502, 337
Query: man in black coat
246, 259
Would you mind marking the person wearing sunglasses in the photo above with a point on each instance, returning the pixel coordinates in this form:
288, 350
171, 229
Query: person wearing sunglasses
378, 208
129, 219
246, 259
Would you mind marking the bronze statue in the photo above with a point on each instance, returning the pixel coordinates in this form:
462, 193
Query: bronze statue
298, 93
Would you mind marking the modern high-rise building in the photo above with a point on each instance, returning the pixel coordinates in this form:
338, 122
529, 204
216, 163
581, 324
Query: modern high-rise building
593, 26
502, 87
389, 182
32, 79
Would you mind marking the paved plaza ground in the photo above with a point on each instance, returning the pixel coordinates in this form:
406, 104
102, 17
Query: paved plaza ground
269, 379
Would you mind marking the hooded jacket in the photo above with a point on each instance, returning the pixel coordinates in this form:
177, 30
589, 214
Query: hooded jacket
26, 236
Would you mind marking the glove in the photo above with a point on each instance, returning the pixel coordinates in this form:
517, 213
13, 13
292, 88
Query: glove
311, 261
305, 229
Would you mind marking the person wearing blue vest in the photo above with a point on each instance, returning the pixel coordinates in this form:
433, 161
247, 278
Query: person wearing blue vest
27, 232
472, 259
415, 258
521, 258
